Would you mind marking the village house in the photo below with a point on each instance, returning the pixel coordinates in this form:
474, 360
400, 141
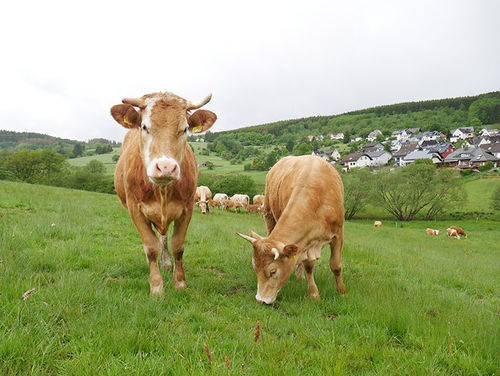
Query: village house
403, 151
338, 136
355, 160
412, 131
461, 133
432, 136
372, 146
373, 135
421, 154
379, 157
443, 148
469, 157
493, 149
328, 155
401, 134
489, 132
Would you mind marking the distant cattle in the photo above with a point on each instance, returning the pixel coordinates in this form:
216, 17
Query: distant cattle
214, 204
430, 231
231, 204
258, 200
252, 208
240, 199
452, 232
155, 177
377, 224
203, 194
221, 197
459, 231
303, 211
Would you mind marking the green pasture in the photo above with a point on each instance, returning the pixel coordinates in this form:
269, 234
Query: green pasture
415, 304
106, 159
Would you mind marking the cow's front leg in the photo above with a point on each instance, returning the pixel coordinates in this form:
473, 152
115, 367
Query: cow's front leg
312, 289
166, 263
151, 249
180, 229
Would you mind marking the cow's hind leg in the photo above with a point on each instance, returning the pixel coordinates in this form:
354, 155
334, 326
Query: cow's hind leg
166, 263
336, 260
312, 289
180, 229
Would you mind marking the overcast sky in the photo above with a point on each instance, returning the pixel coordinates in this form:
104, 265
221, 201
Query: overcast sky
65, 63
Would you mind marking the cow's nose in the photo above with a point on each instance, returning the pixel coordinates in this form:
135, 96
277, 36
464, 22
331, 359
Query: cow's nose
166, 169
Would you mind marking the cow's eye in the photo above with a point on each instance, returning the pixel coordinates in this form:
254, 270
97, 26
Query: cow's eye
145, 128
185, 129
272, 273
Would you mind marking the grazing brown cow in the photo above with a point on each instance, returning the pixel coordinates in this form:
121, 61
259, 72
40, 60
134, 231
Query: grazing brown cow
155, 177
252, 208
303, 211
220, 197
377, 224
201, 197
452, 232
231, 204
459, 231
430, 231
213, 203
258, 200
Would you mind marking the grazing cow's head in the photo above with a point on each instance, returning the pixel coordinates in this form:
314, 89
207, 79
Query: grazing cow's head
163, 120
273, 262
204, 207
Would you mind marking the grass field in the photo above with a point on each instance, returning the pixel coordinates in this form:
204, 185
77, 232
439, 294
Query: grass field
106, 159
415, 304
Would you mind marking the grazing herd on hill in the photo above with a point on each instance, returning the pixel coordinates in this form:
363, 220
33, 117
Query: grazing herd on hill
155, 179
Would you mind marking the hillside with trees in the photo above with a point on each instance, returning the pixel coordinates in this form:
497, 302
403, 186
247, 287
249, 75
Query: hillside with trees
434, 115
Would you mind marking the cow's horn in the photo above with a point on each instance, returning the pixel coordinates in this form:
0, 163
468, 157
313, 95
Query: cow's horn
137, 102
249, 238
255, 235
194, 106
275, 253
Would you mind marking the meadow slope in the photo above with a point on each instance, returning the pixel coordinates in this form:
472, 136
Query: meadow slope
415, 304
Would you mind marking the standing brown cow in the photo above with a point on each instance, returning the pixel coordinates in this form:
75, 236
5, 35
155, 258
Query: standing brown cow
303, 210
155, 177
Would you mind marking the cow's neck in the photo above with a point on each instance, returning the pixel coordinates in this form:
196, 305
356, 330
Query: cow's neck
287, 233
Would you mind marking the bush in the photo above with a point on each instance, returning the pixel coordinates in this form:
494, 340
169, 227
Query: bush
6, 175
465, 172
234, 184
487, 166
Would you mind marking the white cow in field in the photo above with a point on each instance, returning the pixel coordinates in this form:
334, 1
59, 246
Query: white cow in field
201, 197
220, 198
241, 199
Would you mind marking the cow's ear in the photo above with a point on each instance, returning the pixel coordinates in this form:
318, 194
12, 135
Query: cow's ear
126, 115
290, 250
201, 121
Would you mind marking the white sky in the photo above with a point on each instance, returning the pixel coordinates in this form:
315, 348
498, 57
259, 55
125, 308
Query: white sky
65, 63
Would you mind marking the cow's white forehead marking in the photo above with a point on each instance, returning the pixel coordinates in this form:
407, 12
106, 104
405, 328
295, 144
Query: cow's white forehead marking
146, 117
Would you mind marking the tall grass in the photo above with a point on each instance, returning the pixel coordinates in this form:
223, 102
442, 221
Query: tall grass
415, 304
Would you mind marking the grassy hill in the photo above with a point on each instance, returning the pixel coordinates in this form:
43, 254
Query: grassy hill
415, 304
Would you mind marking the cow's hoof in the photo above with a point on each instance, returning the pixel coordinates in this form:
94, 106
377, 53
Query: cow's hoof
180, 285
341, 288
314, 296
157, 291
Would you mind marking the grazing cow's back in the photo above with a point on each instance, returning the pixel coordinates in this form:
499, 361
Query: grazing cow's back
240, 199
303, 211
452, 232
155, 177
377, 224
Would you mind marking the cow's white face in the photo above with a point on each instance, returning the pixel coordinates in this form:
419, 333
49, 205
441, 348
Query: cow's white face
203, 207
273, 263
163, 120
164, 129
